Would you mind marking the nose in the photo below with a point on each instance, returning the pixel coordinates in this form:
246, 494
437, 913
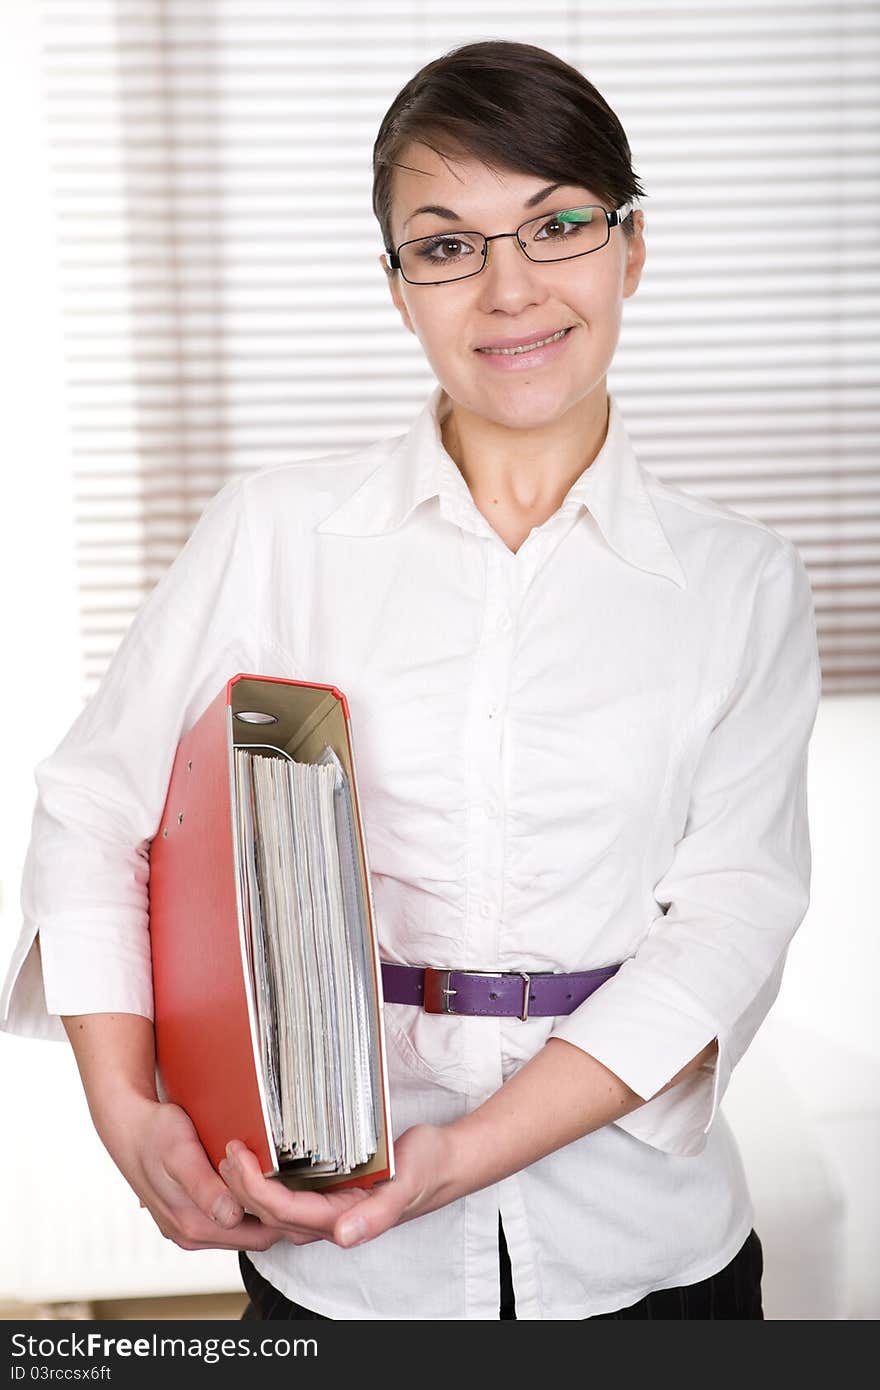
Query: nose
494, 245
509, 280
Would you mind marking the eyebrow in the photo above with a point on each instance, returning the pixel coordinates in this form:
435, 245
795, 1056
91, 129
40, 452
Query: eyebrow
454, 217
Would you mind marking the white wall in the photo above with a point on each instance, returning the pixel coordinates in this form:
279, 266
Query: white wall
831, 979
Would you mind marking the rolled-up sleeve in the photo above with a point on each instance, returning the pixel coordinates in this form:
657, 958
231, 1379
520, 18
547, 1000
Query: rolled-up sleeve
84, 943
735, 892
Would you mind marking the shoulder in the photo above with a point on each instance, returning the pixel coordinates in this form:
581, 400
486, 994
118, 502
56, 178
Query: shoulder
304, 492
714, 540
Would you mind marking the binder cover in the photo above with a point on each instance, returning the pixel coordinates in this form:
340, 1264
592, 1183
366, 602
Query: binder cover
207, 1042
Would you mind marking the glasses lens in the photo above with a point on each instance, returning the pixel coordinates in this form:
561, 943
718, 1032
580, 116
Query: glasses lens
445, 256
567, 233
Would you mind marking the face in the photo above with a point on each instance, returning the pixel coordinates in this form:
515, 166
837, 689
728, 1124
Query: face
512, 297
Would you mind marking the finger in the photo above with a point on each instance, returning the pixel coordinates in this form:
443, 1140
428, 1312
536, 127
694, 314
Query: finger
249, 1234
381, 1210
188, 1227
265, 1198
274, 1202
309, 1212
245, 1181
193, 1171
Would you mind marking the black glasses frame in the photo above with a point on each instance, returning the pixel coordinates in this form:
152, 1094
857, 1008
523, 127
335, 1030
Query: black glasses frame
612, 219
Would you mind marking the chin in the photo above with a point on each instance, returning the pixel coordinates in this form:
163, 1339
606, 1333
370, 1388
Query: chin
530, 405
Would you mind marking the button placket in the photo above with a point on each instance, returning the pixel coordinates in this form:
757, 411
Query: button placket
483, 752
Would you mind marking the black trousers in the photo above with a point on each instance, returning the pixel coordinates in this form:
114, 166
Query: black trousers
734, 1292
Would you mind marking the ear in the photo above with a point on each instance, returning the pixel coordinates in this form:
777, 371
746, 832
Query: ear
396, 296
635, 255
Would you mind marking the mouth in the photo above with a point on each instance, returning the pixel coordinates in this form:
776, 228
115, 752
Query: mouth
521, 349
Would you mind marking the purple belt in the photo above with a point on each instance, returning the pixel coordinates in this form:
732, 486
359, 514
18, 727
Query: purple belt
498, 994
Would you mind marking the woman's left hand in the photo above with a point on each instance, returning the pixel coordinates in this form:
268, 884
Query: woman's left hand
424, 1180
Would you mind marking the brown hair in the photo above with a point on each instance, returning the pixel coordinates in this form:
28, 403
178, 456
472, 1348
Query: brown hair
509, 105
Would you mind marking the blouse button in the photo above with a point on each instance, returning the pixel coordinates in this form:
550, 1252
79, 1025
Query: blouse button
486, 909
504, 622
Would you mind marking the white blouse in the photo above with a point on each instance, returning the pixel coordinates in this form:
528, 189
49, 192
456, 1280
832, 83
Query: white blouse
593, 750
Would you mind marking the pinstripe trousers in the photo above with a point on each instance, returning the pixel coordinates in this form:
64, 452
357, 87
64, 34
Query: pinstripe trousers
734, 1292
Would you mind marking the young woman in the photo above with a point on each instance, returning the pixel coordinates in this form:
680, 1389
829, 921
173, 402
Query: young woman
581, 702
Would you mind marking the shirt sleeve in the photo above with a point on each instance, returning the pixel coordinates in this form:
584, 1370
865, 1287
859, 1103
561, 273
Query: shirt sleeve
736, 889
84, 944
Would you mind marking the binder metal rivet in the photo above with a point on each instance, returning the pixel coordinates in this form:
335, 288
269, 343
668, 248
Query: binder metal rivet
189, 766
165, 833
180, 818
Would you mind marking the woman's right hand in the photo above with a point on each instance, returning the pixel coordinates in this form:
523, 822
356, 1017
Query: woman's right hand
158, 1151
154, 1143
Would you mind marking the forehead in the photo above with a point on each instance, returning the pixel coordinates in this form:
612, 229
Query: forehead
466, 186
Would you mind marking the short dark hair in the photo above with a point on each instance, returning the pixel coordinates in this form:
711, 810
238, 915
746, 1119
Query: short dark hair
509, 105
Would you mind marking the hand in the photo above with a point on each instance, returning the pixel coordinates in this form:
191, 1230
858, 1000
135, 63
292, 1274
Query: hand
424, 1180
156, 1147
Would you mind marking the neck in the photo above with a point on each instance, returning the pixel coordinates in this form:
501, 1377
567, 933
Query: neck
528, 471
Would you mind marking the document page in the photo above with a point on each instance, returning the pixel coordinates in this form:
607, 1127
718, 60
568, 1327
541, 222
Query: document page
310, 957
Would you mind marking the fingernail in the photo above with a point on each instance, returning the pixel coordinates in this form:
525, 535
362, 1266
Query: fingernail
353, 1231
224, 1210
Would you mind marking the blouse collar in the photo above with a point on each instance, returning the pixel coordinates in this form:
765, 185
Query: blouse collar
614, 489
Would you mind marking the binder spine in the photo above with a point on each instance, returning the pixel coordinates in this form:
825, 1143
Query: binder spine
244, 943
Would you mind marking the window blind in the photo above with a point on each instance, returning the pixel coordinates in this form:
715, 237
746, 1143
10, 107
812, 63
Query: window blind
203, 152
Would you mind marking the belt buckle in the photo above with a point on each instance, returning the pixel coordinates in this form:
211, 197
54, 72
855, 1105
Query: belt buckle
437, 991
527, 980
437, 988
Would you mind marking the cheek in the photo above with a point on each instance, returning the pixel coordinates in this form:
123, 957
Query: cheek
438, 326
602, 318
444, 341
595, 297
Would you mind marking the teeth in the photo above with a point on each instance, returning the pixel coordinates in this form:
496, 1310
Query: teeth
531, 346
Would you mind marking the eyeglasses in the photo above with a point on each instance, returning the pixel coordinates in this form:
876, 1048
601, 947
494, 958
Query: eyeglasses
557, 236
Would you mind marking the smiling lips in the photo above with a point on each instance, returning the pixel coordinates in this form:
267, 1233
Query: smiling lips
513, 346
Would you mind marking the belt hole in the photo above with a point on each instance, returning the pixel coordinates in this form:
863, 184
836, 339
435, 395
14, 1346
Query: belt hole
493, 994
568, 996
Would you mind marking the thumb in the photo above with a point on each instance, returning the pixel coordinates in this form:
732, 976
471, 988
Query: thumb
369, 1217
213, 1197
203, 1184
223, 1207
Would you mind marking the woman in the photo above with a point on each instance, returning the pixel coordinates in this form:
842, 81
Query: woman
582, 703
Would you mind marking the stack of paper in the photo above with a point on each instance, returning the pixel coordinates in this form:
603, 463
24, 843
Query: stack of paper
307, 936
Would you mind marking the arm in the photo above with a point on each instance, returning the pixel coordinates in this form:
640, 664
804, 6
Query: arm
733, 880
83, 968
84, 946
154, 1144
560, 1095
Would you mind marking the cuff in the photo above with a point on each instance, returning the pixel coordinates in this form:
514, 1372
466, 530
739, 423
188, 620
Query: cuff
646, 1041
65, 967
679, 1121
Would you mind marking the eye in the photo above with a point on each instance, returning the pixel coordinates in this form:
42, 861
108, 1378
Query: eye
566, 224
444, 248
